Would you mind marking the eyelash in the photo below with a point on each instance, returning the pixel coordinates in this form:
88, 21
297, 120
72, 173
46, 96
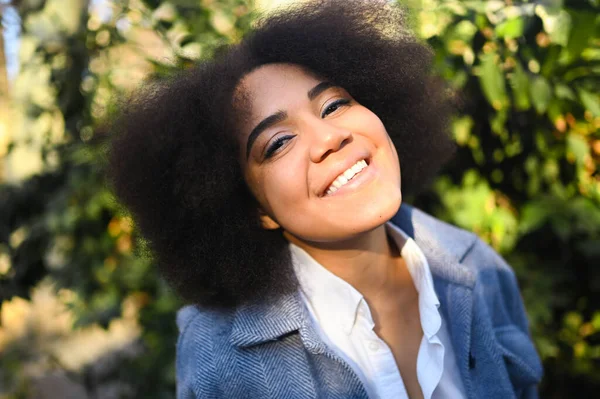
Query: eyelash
275, 145
341, 101
278, 143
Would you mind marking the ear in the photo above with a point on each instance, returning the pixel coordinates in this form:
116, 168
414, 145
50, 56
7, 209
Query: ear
266, 221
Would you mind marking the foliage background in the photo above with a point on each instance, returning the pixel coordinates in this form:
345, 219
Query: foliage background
83, 315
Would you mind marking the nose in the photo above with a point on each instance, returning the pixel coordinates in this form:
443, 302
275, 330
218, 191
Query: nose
327, 139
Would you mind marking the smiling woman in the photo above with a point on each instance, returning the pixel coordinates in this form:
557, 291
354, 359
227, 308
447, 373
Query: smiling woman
267, 184
318, 153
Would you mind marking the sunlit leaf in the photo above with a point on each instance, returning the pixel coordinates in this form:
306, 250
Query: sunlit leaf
462, 129
557, 23
541, 93
520, 88
165, 12
578, 146
464, 30
510, 29
590, 101
584, 28
492, 81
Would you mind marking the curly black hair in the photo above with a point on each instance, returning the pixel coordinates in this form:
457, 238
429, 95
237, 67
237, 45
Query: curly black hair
174, 158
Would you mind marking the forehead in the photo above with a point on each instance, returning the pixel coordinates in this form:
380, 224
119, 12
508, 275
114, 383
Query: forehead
272, 87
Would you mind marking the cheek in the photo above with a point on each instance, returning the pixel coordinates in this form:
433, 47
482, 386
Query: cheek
394, 152
375, 131
382, 140
283, 189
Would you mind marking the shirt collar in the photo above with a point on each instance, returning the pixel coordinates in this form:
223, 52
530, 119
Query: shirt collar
335, 302
418, 268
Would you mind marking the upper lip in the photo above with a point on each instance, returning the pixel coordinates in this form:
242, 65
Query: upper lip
340, 167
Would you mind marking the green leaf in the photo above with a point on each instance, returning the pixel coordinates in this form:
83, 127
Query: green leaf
591, 54
557, 23
583, 29
590, 101
165, 12
578, 146
510, 29
462, 129
464, 30
520, 88
458, 38
492, 81
498, 122
561, 90
533, 215
596, 321
541, 94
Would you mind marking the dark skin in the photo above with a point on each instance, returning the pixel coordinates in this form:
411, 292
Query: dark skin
301, 134
398, 310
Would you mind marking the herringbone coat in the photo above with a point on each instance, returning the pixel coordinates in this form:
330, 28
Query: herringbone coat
271, 350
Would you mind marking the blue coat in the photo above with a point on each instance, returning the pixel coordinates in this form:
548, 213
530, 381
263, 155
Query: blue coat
271, 350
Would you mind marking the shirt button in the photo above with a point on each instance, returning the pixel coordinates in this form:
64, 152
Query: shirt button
374, 346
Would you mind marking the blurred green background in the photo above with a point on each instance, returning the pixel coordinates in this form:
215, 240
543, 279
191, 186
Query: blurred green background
83, 316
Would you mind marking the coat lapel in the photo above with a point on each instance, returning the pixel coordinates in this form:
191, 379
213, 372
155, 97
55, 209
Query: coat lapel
263, 321
445, 247
260, 323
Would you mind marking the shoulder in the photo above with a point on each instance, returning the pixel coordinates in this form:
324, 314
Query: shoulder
495, 275
434, 234
440, 237
461, 256
202, 334
494, 280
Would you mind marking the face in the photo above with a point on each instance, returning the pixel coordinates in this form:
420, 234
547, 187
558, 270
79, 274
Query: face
321, 165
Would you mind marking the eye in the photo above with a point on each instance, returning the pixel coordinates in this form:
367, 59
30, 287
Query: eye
334, 106
276, 145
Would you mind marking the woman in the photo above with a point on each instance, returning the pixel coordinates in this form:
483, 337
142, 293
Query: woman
267, 183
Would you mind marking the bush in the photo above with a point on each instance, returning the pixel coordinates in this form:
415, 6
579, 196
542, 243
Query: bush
525, 179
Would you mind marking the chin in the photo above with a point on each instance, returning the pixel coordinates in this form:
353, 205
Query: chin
371, 217
383, 213
340, 227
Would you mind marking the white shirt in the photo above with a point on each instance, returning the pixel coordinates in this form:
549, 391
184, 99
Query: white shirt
343, 319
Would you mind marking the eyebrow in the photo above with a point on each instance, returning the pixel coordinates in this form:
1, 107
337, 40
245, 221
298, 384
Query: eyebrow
318, 89
280, 116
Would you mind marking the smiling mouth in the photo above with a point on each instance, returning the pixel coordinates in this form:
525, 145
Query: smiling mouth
346, 176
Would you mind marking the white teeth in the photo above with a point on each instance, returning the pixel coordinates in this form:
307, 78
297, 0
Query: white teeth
346, 176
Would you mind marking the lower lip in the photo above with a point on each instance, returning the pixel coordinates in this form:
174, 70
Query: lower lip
359, 179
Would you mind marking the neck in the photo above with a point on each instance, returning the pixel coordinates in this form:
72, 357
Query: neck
370, 262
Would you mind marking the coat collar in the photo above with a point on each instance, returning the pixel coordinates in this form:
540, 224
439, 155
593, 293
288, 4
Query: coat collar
444, 247
259, 322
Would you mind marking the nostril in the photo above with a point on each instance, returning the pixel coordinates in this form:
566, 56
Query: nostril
320, 154
344, 142
347, 140
325, 155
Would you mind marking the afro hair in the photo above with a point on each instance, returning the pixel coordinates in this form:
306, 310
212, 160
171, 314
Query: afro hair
173, 160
